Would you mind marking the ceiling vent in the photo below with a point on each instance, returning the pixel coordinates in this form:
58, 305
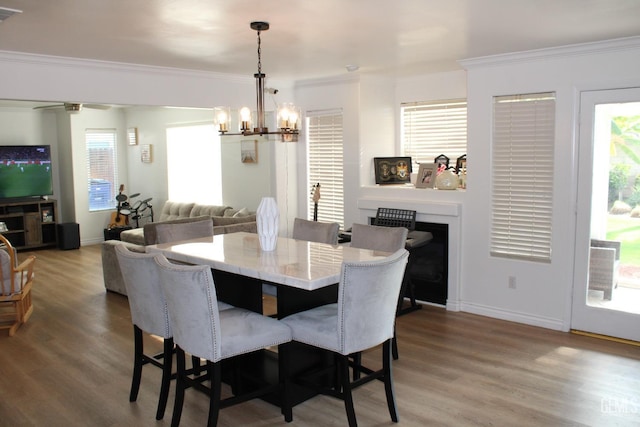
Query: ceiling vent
6, 13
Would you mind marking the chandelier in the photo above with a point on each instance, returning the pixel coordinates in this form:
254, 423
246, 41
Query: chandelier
288, 116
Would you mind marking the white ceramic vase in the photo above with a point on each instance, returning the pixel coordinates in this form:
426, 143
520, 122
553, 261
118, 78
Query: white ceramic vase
267, 218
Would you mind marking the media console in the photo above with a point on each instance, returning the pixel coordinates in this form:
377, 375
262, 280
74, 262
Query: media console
30, 223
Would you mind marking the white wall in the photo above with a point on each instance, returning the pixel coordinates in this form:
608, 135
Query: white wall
91, 223
543, 291
338, 94
31, 127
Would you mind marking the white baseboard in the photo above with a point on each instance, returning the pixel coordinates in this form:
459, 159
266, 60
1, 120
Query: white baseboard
512, 316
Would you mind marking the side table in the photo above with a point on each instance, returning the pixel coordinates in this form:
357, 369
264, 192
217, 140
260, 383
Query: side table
114, 232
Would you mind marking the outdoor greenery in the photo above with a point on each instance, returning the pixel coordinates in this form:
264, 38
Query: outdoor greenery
625, 143
618, 178
627, 231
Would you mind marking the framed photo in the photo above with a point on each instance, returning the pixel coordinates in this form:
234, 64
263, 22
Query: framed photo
427, 175
461, 163
47, 215
146, 153
249, 151
132, 136
392, 170
442, 160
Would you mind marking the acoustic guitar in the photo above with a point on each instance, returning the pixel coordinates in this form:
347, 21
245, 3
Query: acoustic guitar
117, 218
316, 198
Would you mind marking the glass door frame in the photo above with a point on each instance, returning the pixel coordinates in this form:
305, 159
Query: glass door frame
584, 317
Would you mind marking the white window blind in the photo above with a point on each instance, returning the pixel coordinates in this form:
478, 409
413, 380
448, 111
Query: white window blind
433, 128
325, 164
102, 168
522, 176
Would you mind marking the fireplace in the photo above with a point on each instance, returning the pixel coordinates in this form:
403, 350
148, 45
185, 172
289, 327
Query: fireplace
436, 272
428, 265
428, 269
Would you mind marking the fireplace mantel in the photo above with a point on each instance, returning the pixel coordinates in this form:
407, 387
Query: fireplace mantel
449, 213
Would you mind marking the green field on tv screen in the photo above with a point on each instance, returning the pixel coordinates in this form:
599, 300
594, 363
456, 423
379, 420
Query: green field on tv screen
24, 180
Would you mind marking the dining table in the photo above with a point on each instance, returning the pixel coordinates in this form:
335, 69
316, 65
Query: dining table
298, 268
305, 274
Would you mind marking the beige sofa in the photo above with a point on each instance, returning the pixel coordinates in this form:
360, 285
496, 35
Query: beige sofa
225, 220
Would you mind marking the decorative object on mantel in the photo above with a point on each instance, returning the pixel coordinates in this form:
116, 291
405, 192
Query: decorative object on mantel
447, 180
146, 153
392, 170
427, 175
442, 160
463, 179
267, 218
288, 114
461, 163
461, 170
249, 151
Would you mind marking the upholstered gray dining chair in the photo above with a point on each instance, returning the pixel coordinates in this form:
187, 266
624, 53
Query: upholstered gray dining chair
149, 315
311, 231
363, 318
203, 331
377, 238
314, 231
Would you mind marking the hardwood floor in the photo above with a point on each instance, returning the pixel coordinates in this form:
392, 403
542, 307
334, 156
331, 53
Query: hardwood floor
70, 365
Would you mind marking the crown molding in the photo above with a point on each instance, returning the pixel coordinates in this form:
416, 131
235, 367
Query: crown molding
606, 46
348, 78
90, 64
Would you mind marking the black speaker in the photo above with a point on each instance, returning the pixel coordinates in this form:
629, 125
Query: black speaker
68, 236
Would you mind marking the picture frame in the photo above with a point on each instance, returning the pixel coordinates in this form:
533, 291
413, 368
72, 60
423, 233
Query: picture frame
249, 151
392, 170
442, 160
461, 163
132, 136
146, 153
427, 175
47, 215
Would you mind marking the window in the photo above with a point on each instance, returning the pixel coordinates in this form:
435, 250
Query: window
433, 128
102, 168
194, 164
325, 165
522, 176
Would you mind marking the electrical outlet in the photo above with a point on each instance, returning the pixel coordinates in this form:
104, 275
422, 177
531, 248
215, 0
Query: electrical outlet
512, 282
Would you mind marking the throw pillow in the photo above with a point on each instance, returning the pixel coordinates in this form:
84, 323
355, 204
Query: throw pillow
241, 212
219, 220
5, 272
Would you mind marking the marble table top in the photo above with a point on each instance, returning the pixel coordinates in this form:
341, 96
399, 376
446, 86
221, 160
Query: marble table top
295, 263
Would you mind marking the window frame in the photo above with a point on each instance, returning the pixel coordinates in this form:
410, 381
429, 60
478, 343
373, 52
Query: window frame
431, 128
97, 166
331, 205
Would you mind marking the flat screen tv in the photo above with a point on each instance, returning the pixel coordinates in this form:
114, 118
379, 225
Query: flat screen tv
25, 171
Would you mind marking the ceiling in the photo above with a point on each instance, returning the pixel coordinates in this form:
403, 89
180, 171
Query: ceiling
309, 39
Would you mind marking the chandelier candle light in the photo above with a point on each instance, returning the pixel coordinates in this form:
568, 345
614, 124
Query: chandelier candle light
288, 115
